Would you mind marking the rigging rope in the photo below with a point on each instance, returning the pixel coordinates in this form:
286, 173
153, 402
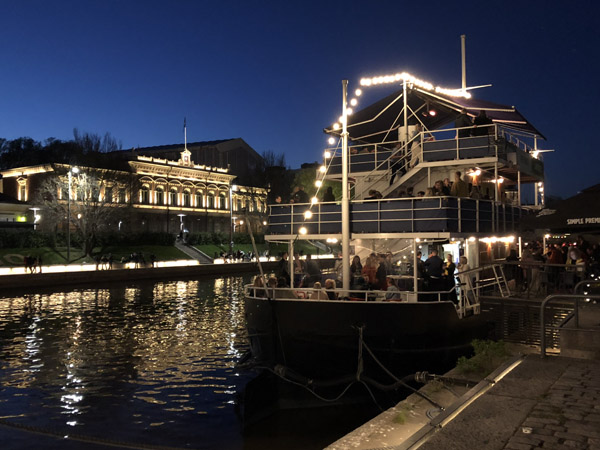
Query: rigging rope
83, 438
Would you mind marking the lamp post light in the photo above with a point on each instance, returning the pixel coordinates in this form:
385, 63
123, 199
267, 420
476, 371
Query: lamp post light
74, 170
231, 218
35, 217
181, 216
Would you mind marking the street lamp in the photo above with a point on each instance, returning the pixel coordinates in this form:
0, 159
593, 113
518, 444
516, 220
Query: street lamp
181, 216
35, 217
73, 170
231, 225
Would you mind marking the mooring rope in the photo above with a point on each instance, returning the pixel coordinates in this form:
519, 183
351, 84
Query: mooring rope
67, 435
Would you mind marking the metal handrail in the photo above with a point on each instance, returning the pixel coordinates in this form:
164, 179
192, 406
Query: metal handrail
547, 300
479, 219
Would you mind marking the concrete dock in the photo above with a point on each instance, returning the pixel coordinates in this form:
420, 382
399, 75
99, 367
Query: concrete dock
528, 402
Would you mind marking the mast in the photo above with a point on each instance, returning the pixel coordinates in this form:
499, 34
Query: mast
345, 197
463, 61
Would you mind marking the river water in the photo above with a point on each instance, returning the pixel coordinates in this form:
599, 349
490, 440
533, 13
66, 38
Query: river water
145, 363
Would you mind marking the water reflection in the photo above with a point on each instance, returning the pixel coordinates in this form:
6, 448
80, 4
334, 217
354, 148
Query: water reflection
151, 362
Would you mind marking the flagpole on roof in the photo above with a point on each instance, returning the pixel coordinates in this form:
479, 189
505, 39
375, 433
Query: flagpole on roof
184, 134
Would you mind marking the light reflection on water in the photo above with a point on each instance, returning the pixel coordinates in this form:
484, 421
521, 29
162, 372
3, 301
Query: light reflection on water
150, 362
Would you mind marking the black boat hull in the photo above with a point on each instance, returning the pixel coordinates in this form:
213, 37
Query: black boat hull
321, 339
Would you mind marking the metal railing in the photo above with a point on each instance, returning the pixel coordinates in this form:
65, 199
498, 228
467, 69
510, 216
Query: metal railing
375, 161
576, 298
404, 215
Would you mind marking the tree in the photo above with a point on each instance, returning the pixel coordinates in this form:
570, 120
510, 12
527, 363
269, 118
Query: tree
94, 206
92, 142
306, 178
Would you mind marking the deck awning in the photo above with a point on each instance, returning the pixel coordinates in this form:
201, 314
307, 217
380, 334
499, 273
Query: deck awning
580, 213
378, 122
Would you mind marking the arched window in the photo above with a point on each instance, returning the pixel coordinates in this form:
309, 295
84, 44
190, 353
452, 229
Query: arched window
145, 195
173, 196
222, 201
122, 195
210, 201
239, 204
199, 199
160, 196
186, 198
108, 194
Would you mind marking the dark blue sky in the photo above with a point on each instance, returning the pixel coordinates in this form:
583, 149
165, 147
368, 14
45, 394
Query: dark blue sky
270, 72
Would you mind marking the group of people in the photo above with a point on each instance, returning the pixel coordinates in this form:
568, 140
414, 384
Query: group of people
563, 265
479, 126
300, 196
278, 288
33, 264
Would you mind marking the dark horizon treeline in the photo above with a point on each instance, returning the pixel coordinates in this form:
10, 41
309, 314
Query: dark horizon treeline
87, 149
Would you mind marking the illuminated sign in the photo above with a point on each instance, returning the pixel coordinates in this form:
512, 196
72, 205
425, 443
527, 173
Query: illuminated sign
583, 221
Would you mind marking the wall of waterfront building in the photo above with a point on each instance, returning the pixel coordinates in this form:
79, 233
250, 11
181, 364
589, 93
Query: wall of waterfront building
154, 193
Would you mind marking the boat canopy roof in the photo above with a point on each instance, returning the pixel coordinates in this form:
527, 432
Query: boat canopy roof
377, 122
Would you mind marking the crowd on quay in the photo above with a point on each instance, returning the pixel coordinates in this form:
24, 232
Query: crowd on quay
558, 267
377, 276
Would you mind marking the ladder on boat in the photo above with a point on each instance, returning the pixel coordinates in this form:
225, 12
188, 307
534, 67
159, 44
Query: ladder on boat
470, 291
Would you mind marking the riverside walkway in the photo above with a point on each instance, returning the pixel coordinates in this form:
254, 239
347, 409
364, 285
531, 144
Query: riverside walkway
548, 403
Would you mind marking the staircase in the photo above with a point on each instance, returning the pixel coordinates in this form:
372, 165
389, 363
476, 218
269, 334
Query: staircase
193, 253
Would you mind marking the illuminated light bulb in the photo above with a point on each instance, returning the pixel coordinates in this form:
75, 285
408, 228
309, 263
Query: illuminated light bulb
322, 169
432, 112
331, 141
535, 154
314, 201
264, 222
477, 172
308, 214
318, 183
547, 236
472, 239
327, 155
341, 119
336, 126
302, 230
349, 111
417, 240
358, 92
354, 102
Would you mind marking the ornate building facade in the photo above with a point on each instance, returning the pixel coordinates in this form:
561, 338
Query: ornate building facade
159, 194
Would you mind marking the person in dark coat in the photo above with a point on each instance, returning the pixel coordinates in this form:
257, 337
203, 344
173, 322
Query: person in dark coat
480, 121
328, 195
463, 121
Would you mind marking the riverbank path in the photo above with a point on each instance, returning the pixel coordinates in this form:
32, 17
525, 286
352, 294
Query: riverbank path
549, 403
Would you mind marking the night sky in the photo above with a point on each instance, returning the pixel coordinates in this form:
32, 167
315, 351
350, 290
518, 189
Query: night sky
270, 72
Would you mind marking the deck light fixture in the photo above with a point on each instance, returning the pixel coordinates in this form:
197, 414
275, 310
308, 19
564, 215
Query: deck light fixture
327, 154
302, 230
331, 141
314, 201
353, 102
308, 214
322, 169
358, 92
318, 183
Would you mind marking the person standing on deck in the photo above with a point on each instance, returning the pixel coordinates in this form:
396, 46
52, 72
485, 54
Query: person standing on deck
459, 187
283, 268
463, 121
449, 269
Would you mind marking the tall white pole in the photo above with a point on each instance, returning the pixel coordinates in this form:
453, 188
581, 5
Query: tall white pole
345, 196
463, 53
69, 220
405, 115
